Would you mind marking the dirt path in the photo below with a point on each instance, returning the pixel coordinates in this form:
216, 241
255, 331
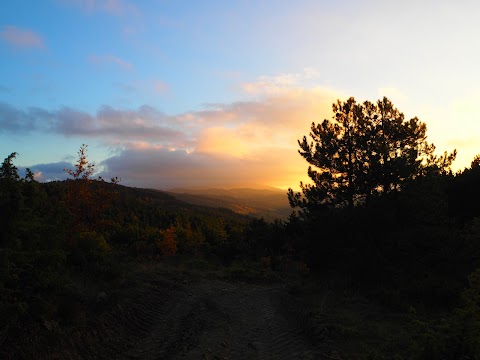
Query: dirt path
214, 319
164, 318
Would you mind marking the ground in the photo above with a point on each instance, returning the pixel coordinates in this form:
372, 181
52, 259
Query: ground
184, 317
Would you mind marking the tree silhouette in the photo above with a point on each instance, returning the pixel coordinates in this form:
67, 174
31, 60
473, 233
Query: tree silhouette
88, 198
8, 170
464, 192
83, 169
366, 150
13, 196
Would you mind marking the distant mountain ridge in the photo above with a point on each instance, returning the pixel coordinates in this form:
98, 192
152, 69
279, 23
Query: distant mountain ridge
270, 203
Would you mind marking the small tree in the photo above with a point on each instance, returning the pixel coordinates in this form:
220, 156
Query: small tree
88, 198
83, 169
8, 170
366, 150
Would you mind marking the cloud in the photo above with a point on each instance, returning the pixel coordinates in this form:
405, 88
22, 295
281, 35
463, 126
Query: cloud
245, 128
48, 172
109, 124
165, 169
21, 38
278, 84
110, 59
238, 129
13, 120
238, 144
145, 123
225, 144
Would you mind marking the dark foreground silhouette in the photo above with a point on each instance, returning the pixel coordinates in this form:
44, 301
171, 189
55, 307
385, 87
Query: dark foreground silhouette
213, 319
204, 318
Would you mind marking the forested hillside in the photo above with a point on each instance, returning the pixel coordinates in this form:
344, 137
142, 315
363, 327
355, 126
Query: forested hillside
270, 203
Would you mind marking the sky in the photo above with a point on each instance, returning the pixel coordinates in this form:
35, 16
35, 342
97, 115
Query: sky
171, 94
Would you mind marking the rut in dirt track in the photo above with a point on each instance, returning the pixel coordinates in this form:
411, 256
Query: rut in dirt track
214, 319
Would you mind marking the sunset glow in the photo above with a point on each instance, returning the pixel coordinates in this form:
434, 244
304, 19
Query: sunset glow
178, 94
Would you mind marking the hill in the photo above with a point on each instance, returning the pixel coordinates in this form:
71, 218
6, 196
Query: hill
268, 203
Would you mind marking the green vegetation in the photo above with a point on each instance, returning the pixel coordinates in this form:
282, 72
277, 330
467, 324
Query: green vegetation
383, 246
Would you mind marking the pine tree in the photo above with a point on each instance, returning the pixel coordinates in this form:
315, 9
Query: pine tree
365, 150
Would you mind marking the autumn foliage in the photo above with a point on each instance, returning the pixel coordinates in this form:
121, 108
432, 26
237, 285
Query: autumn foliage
166, 243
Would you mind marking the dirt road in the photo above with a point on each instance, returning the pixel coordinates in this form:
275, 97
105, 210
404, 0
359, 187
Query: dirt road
196, 319
214, 319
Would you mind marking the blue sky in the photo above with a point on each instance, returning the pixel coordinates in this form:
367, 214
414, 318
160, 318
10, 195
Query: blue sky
216, 93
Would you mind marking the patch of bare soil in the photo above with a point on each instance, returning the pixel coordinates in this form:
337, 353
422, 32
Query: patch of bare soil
198, 319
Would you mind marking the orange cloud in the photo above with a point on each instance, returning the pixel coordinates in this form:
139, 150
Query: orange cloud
165, 169
237, 144
221, 141
234, 144
245, 128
